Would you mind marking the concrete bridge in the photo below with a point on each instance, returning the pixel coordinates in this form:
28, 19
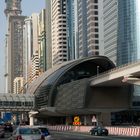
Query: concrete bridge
119, 76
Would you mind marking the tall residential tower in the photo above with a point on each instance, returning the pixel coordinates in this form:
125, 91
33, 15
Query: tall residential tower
14, 43
89, 27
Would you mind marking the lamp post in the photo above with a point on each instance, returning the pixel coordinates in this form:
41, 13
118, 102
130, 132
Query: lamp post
98, 70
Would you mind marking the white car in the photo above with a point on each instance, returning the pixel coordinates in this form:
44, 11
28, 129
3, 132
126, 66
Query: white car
27, 133
44, 131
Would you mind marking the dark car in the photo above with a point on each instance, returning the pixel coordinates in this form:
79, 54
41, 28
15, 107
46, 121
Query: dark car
8, 127
99, 131
2, 132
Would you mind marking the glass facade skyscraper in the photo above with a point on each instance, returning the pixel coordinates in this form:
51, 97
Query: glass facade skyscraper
122, 32
127, 32
71, 32
110, 16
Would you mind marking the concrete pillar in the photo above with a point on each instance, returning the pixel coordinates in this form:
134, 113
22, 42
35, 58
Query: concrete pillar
31, 120
31, 117
105, 118
69, 120
85, 120
22, 116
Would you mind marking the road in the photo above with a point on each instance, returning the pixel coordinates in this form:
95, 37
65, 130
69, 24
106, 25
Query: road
76, 136
7, 135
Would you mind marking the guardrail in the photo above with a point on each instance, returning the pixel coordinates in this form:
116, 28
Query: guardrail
122, 67
120, 131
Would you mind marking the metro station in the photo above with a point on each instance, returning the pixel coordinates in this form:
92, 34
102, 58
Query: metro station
65, 91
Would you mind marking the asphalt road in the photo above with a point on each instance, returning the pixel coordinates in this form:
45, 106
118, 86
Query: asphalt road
79, 136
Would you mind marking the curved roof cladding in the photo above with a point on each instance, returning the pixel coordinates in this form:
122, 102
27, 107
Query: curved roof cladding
45, 86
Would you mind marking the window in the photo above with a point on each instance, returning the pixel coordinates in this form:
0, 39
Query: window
96, 24
95, 1
96, 30
95, 7
95, 18
96, 41
95, 12
96, 35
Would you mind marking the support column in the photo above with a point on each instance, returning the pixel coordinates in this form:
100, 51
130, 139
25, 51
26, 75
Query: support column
31, 117
31, 120
69, 120
85, 120
106, 118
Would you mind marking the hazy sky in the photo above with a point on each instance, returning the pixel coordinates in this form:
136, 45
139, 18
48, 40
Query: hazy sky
28, 7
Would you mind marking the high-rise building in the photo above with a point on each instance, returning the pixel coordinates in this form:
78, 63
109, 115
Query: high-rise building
13, 7
14, 39
88, 27
72, 29
35, 66
121, 34
121, 30
57, 43
42, 41
18, 85
59, 32
128, 45
27, 50
128, 36
110, 16
48, 34
30, 43
35, 31
75, 29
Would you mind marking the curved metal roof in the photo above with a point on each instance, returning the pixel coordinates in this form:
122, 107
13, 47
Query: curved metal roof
55, 71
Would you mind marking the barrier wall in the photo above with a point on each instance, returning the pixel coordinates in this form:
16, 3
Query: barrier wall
121, 131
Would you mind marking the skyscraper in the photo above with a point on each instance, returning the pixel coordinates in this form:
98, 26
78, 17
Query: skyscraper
122, 32
13, 8
14, 39
61, 31
42, 41
48, 35
31, 46
128, 35
110, 16
58, 40
72, 29
127, 50
88, 27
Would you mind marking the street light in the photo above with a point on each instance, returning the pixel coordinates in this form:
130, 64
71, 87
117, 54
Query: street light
97, 70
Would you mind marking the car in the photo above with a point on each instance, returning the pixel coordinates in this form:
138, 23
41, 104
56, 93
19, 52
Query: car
99, 131
44, 130
8, 127
2, 132
27, 133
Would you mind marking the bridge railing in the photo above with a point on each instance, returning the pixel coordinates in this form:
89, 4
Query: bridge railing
16, 102
118, 68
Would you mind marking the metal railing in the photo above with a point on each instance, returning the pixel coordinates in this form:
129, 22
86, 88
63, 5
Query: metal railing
119, 68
